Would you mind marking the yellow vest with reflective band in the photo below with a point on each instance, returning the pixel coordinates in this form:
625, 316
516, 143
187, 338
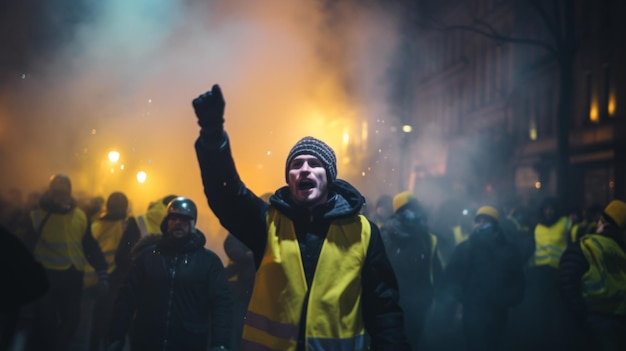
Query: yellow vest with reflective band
550, 242
334, 317
604, 284
60, 244
150, 222
108, 234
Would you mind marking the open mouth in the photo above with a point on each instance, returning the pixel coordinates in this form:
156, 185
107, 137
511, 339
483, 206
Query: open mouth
306, 185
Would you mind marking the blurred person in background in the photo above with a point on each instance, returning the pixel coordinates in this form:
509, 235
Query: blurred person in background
150, 221
592, 277
383, 209
24, 281
486, 277
452, 226
412, 251
552, 236
176, 295
61, 238
116, 232
588, 224
323, 278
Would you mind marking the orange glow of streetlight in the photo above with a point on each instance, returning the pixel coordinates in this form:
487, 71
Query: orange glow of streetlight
141, 177
114, 156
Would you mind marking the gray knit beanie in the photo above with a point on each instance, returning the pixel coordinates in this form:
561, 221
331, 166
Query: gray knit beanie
311, 146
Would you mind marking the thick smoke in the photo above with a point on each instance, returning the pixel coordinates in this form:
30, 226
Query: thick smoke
120, 75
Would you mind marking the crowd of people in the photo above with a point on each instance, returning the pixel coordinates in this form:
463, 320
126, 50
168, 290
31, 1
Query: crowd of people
311, 267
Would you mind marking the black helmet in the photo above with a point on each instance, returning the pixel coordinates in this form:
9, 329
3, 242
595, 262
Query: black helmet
181, 206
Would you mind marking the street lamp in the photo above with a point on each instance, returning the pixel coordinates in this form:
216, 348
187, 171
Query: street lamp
141, 176
114, 156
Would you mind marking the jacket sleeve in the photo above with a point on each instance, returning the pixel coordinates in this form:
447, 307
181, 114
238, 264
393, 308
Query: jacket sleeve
221, 302
227, 195
382, 314
123, 255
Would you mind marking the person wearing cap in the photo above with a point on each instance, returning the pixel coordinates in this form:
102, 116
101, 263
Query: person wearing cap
60, 236
323, 280
412, 250
485, 275
592, 279
176, 295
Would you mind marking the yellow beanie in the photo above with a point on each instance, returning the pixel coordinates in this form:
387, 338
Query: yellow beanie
488, 211
616, 211
402, 199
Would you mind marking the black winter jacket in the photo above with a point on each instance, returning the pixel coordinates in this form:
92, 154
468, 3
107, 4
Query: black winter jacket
486, 270
175, 298
243, 214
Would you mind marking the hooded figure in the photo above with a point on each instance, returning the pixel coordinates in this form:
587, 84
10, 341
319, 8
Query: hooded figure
176, 296
485, 275
412, 251
592, 278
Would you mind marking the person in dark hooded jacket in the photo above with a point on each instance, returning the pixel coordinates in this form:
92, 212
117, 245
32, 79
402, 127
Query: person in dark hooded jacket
176, 296
412, 250
323, 279
485, 274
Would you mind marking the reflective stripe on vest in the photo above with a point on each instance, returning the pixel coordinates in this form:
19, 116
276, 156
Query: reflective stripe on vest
334, 316
108, 234
550, 242
604, 284
150, 222
60, 243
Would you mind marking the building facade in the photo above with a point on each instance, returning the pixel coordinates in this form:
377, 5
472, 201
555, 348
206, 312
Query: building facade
489, 74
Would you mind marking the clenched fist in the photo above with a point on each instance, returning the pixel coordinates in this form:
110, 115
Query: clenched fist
209, 109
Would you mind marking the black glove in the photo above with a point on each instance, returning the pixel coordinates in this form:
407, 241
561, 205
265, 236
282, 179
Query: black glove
209, 109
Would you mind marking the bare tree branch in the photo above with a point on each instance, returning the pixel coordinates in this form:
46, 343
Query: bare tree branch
493, 34
550, 23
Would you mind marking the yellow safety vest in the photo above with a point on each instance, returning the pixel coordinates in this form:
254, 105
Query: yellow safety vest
60, 244
550, 242
334, 316
459, 236
108, 234
604, 284
150, 222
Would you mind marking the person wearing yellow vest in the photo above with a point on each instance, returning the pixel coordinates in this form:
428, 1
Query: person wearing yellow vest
551, 234
485, 275
64, 245
592, 277
412, 250
323, 279
116, 232
150, 222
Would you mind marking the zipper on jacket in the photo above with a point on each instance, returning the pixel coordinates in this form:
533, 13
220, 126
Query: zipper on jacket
169, 302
